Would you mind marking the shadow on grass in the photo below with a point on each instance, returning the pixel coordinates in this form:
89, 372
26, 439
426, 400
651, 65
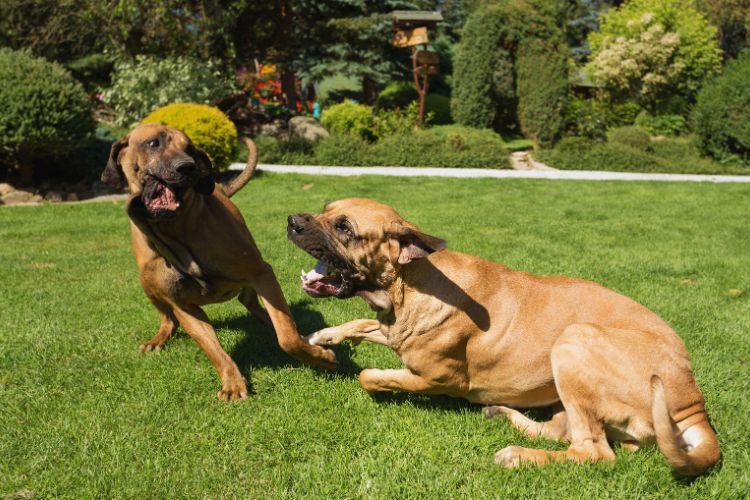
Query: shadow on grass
259, 346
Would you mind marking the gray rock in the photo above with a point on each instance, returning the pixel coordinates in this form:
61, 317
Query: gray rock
6, 188
71, 197
307, 128
274, 128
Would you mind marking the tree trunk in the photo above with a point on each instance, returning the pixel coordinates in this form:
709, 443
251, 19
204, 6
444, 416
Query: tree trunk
368, 91
289, 88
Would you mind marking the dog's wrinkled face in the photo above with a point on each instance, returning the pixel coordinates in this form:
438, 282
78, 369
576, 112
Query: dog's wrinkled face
160, 165
360, 245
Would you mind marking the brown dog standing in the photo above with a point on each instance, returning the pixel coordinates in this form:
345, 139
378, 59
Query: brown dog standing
193, 248
470, 328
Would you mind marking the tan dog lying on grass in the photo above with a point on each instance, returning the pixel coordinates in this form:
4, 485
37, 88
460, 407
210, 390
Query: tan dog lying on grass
193, 248
470, 328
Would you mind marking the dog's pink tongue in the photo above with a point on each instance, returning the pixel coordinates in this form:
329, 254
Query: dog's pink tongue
166, 199
318, 273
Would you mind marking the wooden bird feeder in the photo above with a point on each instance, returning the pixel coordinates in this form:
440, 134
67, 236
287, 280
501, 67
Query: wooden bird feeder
410, 29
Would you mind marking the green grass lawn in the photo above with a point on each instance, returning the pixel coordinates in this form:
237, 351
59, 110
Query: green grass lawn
84, 414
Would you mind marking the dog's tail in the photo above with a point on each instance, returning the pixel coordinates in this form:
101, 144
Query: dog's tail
252, 161
693, 451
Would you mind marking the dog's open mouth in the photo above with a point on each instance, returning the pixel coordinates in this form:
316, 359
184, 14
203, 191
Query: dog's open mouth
325, 281
159, 198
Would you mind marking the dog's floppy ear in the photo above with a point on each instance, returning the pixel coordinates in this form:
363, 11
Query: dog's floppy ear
112, 174
409, 243
205, 184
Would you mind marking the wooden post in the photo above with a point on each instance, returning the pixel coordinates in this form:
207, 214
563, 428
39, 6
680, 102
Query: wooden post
421, 88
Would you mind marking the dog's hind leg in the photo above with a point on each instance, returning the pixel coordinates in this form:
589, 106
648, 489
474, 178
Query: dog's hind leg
579, 369
249, 298
166, 328
556, 428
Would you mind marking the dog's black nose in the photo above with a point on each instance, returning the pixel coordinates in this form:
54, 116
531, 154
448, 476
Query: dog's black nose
295, 223
185, 168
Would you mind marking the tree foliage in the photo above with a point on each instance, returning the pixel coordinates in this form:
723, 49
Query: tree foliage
648, 49
511, 69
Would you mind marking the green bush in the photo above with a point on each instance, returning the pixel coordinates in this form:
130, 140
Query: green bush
398, 121
348, 118
44, 111
440, 108
486, 86
721, 117
674, 155
440, 146
396, 95
291, 152
634, 137
592, 117
141, 86
207, 127
669, 125
542, 89
652, 49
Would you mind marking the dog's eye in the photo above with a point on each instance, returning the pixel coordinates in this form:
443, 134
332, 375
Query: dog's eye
153, 143
343, 226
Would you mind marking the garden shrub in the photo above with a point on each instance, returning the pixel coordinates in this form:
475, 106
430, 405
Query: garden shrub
44, 112
396, 95
650, 49
440, 108
147, 83
207, 127
721, 118
668, 125
511, 50
592, 117
398, 121
349, 118
668, 155
542, 89
634, 137
340, 150
294, 151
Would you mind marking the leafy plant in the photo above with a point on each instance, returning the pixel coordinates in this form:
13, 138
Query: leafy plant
668, 125
44, 111
593, 116
648, 49
633, 137
348, 118
207, 127
721, 118
147, 83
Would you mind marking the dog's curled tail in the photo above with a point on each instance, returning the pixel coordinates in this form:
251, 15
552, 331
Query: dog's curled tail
696, 450
252, 161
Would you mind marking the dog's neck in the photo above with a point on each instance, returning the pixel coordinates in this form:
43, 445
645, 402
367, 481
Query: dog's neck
160, 234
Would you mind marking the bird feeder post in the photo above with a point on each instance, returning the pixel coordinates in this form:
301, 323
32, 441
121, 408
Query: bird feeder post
410, 30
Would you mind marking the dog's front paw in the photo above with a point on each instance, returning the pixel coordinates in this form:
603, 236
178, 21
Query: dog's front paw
233, 388
326, 336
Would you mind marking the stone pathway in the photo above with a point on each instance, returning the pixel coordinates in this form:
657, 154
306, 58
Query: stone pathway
584, 175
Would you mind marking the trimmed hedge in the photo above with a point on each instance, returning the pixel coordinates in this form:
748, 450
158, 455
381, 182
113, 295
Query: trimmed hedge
440, 146
677, 155
633, 137
44, 111
592, 117
721, 117
207, 127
